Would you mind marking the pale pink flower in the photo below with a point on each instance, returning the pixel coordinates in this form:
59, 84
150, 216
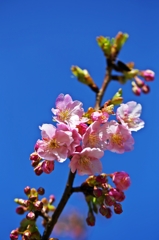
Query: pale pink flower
101, 117
94, 136
87, 161
68, 111
118, 137
128, 114
75, 136
148, 75
121, 180
54, 144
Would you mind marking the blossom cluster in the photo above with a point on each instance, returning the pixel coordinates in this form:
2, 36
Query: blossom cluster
84, 136
104, 197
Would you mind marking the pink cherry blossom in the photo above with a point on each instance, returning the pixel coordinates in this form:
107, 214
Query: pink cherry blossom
118, 137
101, 117
148, 75
54, 144
94, 136
87, 161
121, 180
128, 114
68, 111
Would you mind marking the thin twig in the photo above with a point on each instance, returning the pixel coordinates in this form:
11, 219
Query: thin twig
66, 195
101, 92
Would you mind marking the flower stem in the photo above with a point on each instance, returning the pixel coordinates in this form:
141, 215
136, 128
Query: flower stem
66, 195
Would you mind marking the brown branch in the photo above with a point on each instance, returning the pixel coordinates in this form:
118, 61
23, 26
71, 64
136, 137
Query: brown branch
101, 92
66, 195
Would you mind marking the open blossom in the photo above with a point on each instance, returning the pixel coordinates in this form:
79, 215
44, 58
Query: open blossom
128, 114
94, 135
54, 144
118, 137
68, 111
87, 161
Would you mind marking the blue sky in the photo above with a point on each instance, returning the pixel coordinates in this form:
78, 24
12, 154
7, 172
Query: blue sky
39, 42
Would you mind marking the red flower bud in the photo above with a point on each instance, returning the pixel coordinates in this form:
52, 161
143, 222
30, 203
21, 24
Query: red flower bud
118, 208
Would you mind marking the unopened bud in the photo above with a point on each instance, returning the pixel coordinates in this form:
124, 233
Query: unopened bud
20, 210
118, 208
14, 234
145, 89
38, 205
38, 170
90, 219
30, 216
41, 191
34, 156
27, 190
47, 166
121, 180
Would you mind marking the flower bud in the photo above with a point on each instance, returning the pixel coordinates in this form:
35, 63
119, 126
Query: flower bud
117, 194
47, 166
136, 90
34, 156
121, 180
51, 199
14, 234
148, 75
90, 219
118, 208
139, 82
41, 191
145, 89
20, 210
38, 205
109, 200
97, 192
27, 190
30, 216
38, 170
102, 178
27, 235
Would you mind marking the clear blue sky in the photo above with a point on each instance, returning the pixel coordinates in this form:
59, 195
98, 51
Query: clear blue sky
39, 41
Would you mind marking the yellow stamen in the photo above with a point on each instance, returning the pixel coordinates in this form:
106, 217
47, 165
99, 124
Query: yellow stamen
117, 139
53, 144
64, 115
93, 139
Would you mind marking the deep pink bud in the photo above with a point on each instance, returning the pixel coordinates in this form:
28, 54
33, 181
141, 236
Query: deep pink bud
20, 210
34, 156
41, 191
90, 219
27, 190
101, 178
148, 75
121, 180
27, 235
36, 146
118, 208
82, 128
117, 194
139, 82
145, 89
14, 234
47, 166
97, 192
51, 199
78, 149
38, 170
38, 205
105, 211
30, 216
109, 200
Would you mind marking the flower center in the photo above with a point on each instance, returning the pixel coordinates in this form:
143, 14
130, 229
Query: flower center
84, 161
93, 139
117, 139
64, 115
53, 144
